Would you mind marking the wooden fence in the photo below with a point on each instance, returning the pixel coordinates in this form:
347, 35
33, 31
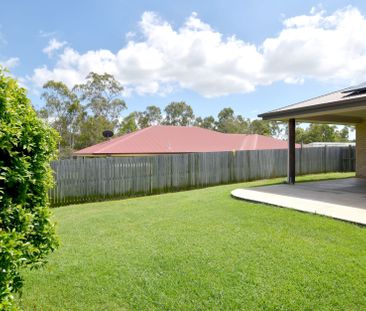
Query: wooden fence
93, 179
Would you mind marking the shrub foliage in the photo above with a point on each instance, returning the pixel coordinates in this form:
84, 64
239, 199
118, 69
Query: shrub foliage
27, 145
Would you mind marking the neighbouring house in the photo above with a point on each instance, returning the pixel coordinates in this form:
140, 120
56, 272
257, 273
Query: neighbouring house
179, 139
346, 106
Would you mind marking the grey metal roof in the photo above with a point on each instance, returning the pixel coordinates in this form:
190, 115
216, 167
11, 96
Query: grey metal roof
348, 97
359, 87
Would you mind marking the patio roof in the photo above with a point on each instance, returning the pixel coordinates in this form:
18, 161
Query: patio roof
346, 106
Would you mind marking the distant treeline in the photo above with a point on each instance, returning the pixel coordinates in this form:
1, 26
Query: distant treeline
80, 115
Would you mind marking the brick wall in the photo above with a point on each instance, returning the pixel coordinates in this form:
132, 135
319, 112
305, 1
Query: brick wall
361, 150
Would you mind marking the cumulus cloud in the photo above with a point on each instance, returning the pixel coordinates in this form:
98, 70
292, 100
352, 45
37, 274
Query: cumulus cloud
195, 56
318, 46
10, 62
53, 45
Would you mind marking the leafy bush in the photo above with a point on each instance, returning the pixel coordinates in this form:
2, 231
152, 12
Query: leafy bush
27, 145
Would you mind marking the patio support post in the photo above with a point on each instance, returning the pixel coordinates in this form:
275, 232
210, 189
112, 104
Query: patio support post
291, 152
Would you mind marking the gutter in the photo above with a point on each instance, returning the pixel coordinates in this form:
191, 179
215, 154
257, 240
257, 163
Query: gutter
291, 113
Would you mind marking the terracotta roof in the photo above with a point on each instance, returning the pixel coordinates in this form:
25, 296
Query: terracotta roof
180, 139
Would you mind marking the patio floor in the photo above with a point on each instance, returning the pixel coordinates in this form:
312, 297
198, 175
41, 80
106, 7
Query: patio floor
343, 199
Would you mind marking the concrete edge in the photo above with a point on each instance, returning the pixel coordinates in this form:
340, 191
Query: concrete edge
340, 212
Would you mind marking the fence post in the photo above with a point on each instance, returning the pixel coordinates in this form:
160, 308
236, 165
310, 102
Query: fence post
300, 158
325, 158
350, 158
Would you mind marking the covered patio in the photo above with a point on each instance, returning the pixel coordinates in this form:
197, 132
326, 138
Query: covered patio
342, 199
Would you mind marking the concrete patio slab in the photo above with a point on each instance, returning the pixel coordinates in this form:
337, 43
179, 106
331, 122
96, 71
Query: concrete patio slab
343, 199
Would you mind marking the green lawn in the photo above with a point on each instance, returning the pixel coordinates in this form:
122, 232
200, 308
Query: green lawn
200, 250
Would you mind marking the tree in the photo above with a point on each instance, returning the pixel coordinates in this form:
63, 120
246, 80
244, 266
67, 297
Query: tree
151, 116
207, 123
101, 95
343, 135
229, 123
226, 121
264, 127
242, 125
64, 112
301, 135
178, 113
82, 113
27, 145
128, 125
321, 133
198, 121
91, 131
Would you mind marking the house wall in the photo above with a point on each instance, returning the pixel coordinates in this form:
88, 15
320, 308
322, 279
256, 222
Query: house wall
361, 149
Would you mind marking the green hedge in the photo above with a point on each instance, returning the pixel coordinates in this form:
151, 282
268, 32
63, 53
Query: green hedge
27, 145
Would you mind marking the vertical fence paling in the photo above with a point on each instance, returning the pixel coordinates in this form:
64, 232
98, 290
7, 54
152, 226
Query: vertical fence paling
91, 179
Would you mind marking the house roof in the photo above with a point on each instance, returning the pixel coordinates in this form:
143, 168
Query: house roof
343, 106
180, 139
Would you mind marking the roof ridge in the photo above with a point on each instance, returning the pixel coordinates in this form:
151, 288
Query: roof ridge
126, 137
117, 138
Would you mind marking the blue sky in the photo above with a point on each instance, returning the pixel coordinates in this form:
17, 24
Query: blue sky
253, 56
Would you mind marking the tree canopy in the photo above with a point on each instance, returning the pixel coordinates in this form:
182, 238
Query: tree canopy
151, 116
178, 113
321, 133
101, 95
207, 123
228, 122
65, 110
128, 124
82, 113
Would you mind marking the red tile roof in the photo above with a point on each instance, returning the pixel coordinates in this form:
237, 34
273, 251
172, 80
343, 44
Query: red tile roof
180, 139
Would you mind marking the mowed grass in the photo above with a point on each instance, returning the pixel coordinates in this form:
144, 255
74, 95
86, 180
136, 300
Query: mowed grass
200, 250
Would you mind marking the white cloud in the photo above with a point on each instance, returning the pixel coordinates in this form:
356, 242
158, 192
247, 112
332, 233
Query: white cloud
197, 57
45, 34
319, 46
10, 62
53, 45
130, 35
